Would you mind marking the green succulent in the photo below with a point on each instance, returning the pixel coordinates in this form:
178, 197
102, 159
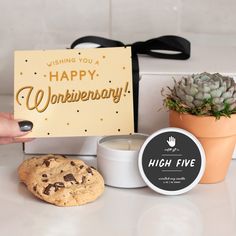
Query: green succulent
203, 94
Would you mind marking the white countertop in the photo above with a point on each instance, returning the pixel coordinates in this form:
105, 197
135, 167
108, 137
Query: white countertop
206, 210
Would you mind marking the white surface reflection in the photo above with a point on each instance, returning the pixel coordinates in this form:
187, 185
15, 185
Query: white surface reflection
173, 216
206, 210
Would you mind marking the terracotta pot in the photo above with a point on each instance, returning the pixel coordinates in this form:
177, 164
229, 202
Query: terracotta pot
218, 138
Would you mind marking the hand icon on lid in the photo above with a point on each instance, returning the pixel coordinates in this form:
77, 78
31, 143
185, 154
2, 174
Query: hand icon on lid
171, 141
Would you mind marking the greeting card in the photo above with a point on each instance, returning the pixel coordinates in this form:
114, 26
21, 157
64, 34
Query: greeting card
79, 92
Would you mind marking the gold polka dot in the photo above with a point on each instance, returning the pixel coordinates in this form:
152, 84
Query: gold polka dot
44, 75
101, 119
97, 74
21, 73
68, 123
46, 119
103, 57
123, 67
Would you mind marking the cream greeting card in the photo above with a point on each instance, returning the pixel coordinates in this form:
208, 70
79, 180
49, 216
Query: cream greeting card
81, 92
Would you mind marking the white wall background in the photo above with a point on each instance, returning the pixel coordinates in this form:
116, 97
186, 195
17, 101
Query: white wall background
49, 24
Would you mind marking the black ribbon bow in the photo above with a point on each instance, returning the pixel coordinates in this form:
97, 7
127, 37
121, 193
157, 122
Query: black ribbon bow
152, 47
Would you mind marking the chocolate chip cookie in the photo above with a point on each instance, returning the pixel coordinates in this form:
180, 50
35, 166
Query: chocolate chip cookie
26, 166
64, 182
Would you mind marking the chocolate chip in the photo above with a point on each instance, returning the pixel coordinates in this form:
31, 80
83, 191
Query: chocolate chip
62, 171
47, 189
81, 167
89, 170
69, 177
45, 180
44, 175
56, 185
59, 184
35, 188
64, 156
72, 163
83, 179
46, 162
93, 167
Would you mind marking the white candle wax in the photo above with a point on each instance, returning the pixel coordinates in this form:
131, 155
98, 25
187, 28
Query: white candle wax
124, 144
117, 160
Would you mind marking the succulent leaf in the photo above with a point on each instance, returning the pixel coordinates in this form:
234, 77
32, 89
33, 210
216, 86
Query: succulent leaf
215, 93
217, 100
204, 94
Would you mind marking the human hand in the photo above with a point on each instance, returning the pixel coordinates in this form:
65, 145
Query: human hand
10, 129
171, 141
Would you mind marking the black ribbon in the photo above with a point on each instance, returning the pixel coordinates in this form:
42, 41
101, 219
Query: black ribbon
152, 47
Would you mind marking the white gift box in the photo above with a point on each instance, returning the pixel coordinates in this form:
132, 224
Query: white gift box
155, 74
